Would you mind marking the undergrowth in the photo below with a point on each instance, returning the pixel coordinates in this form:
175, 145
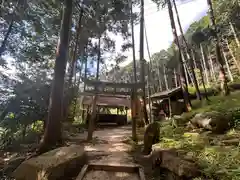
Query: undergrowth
209, 151
217, 155
223, 104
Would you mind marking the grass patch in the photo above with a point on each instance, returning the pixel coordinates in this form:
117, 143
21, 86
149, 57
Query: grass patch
216, 103
209, 151
217, 155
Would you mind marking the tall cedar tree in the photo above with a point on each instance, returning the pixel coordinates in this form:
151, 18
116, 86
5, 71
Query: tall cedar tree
53, 135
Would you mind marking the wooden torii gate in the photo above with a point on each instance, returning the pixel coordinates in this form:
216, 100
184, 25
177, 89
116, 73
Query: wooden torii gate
110, 88
96, 88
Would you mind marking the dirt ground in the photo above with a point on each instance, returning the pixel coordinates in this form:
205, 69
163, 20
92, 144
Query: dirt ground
107, 145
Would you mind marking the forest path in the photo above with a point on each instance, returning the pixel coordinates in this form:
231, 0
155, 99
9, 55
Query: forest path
107, 145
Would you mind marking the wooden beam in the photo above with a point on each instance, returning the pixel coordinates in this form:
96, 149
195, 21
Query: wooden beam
113, 85
92, 92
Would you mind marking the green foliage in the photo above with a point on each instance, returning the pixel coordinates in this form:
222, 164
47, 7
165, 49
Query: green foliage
32, 45
215, 159
37, 126
226, 105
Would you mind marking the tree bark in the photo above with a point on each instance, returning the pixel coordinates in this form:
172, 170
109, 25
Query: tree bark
142, 61
70, 90
195, 65
188, 52
51, 139
228, 68
235, 34
182, 74
85, 73
133, 99
92, 122
76, 45
194, 60
185, 68
222, 74
175, 78
149, 93
204, 64
3, 45
165, 77
159, 78
202, 77
78, 84
234, 58
212, 71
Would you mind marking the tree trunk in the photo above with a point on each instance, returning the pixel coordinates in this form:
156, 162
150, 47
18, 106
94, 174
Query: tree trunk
194, 60
212, 68
165, 77
134, 123
235, 34
202, 77
190, 75
70, 91
234, 58
92, 122
85, 73
228, 68
77, 43
142, 61
150, 72
185, 68
204, 64
222, 74
3, 45
182, 74
78, 84
159, 78
188, 52
149, 95
175, 78
51, 139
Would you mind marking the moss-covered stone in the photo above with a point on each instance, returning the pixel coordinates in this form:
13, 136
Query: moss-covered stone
53, 164
217, 122
151, 136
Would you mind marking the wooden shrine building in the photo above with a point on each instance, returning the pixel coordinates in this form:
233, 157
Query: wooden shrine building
171, 101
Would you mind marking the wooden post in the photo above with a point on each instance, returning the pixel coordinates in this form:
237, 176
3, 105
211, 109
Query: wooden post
170, 107
134, 116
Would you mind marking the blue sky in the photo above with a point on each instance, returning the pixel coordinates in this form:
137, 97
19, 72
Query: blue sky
158, 25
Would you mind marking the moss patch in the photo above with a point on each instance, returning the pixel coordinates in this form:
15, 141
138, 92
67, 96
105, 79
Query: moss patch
214, 157
223, 104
